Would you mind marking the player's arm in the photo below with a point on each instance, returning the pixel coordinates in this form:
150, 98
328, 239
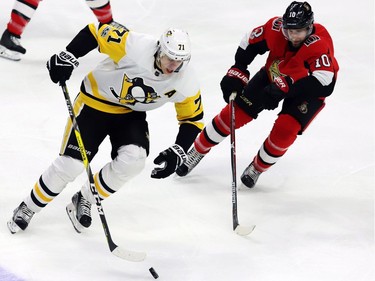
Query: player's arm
311, 86
111, 39
251, 45
190, 118
62, 64
108, 38
319, 83
82, 43
321, 79
237, 77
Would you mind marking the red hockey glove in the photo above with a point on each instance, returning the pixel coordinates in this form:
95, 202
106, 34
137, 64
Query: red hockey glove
234, 81
275, 92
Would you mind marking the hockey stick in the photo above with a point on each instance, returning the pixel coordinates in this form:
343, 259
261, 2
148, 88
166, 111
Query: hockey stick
119, 252
237, 228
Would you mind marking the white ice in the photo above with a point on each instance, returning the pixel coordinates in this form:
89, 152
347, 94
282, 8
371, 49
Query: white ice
314, 209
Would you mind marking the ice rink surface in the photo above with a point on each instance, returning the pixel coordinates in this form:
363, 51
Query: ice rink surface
314, 209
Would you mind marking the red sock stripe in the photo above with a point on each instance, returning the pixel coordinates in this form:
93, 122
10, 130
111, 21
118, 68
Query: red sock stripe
31, 3
271, 155
223, 119
17, 23
221, 122
202, 143
221, 127
20, 16
282, 136
260, 165
272, 149
103, 14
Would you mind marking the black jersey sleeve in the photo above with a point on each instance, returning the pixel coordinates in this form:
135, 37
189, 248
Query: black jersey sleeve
310, 87
186, 135
245, 57
82, 43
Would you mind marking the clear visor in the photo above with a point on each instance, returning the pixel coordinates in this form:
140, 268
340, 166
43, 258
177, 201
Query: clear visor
297, 36
168, 65
167, 60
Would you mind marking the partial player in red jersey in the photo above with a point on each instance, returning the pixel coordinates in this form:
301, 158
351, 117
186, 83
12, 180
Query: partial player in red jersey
22, 12
300, 71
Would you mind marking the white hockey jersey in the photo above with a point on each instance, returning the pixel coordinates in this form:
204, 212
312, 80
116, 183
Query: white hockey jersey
128, 79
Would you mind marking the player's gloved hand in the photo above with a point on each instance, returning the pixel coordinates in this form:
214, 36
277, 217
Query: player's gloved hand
234, 81
275, 92
171, 158
61, 66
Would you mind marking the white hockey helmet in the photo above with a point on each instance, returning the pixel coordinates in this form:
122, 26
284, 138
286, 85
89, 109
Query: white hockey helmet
175, 43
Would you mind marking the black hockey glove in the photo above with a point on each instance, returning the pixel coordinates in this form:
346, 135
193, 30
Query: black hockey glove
172, 157
61, 66
234, 81
275, 92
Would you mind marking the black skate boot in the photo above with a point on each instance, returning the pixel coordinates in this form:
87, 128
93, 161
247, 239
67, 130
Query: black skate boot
10, 46
250, 176
193, 158
79, 212
21, 218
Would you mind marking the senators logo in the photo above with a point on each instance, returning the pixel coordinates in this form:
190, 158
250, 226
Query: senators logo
134, 90
274, 70
303, 107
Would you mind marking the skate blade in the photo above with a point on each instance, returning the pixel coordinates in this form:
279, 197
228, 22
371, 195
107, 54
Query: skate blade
13, 227
71, 211
8, 54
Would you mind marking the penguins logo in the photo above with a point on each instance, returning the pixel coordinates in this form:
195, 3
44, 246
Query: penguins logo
134, 90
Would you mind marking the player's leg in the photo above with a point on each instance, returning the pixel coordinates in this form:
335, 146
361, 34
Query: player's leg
294, 118
63, 170
213, 133
94, 127
21, 14
247, 108
101, 9
130, 147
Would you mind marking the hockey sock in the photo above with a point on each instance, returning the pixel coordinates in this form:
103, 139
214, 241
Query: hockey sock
21, 14
282, 136
101, 9
219, 128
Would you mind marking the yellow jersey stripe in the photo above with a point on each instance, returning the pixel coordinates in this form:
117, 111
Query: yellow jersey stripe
101, 106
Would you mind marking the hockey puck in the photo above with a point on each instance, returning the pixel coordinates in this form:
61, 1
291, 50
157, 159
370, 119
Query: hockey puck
153, 273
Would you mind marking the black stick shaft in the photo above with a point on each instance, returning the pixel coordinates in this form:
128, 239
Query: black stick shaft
233, 160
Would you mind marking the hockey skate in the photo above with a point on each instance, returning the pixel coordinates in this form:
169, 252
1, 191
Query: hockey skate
193, 158
21, 218
250, 176
79, 212
10, 46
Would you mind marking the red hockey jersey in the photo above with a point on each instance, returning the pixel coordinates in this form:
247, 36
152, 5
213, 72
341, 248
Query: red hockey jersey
315, 56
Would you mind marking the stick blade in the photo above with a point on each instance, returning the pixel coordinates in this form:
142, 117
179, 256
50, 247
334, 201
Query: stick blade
129, 255
244, 230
